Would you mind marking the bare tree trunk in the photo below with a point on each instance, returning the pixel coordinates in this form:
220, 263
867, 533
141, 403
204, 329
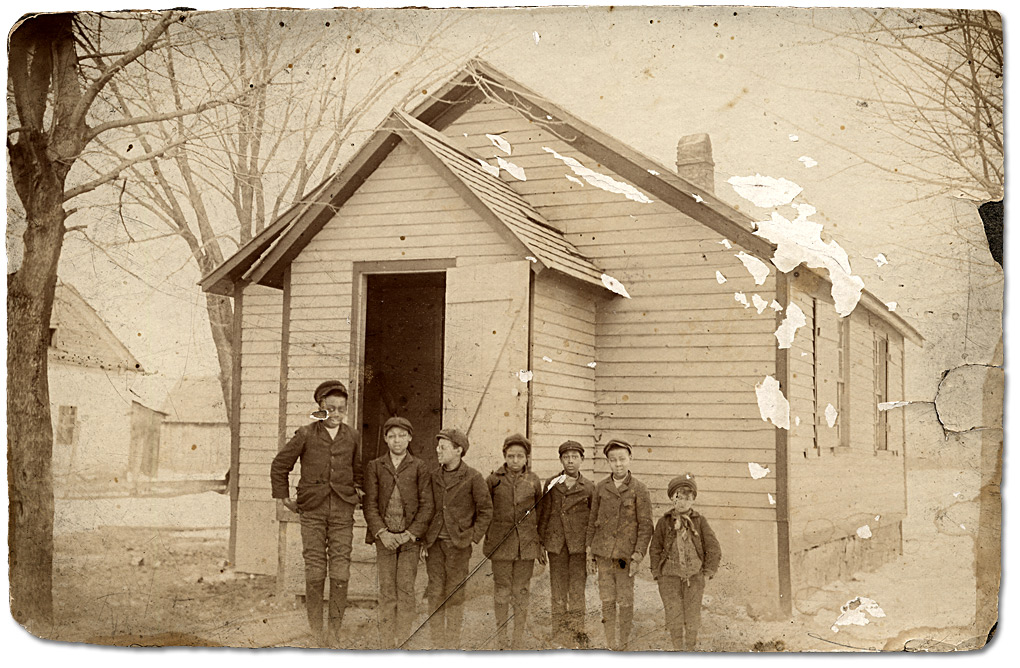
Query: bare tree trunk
221, 322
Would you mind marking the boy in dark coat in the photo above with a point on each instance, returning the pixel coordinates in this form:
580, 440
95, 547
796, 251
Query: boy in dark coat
562, 523
398, 508
330, 488
684, 552
463, 510
619, 528
512, 542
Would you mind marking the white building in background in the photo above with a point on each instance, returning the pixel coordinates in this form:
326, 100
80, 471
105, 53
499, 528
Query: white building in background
105, 430
195, 434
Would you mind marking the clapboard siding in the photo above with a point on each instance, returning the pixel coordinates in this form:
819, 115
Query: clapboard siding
380, 222
801, 392
261, 329
563, 390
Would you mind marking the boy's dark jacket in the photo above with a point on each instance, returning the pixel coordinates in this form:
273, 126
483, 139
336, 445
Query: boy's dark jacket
415, 483
620, 522
463, 503
325, 464
663, 545
513, 533
563, 515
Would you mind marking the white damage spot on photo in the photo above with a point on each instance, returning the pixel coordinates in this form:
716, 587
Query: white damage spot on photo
741, 298
757, 470
794, 138
808, 162
776, 306
726, 244
855, 613
653, 172
755, 267
514, 170
796, 421
500, 143
491, 169
891, 306
591, 365
864, 531
759, 303
574, 179
799, 241
536, 36
699, 200
547, 358
793, 321
614, 285
831, 415
889, 405
525, 376
720, 278
880, 259
765, 191
555, 481
602, 181
531, 258
772, 499
772, 404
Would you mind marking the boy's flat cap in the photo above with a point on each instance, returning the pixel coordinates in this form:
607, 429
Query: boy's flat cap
567, 446
517, 439
457, 437
329, 386
617, 443
397, 421
681, 481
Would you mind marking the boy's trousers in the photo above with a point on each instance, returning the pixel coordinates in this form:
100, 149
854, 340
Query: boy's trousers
681, 600
511, 583
326, 536
568, 574
616, 588
447, 567
397, 609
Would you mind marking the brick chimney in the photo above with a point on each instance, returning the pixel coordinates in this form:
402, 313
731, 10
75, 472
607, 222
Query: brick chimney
694, 161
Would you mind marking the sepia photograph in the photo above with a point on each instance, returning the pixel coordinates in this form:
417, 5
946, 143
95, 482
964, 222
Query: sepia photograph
612, 328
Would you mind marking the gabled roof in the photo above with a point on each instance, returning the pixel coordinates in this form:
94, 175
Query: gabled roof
80, 336
479, 80
196, 400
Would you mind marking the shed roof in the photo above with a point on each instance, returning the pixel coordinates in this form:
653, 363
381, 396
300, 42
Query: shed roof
81, 336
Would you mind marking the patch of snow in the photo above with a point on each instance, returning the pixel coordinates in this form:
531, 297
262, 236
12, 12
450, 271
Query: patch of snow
602, 181
514, 170
758, 269
793, 321
772, 404
500, 143
765, 191
614, 285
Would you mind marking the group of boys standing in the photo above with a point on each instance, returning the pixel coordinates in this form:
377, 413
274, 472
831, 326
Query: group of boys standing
414, 511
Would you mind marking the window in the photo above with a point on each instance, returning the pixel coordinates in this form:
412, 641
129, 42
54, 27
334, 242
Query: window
881, 390
843, 384
67, 421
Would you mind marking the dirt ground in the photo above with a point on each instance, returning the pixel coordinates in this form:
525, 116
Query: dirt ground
122, 584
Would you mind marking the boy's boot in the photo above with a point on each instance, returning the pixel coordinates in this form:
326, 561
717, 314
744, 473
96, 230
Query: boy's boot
609, 624
690, 639
337, 606
313, 606
626, 624
502, 616
520, 627
578, 634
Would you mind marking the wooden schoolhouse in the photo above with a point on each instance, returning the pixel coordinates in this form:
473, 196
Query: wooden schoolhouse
463, 269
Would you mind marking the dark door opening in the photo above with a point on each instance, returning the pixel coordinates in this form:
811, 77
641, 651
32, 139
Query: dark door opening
403, 368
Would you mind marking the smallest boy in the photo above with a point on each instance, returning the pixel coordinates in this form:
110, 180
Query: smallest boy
619, 528
684, 552
398, 508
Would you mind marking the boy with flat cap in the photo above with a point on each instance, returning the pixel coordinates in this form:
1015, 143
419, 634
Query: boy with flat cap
330, 488
684, 552
463, 510
398, 508
619, 528
512, 542
562, 523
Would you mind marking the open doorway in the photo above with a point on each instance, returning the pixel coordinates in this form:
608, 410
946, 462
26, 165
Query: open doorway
403, 365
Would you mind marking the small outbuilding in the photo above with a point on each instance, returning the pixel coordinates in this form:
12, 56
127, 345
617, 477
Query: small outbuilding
195, 434
491, 262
